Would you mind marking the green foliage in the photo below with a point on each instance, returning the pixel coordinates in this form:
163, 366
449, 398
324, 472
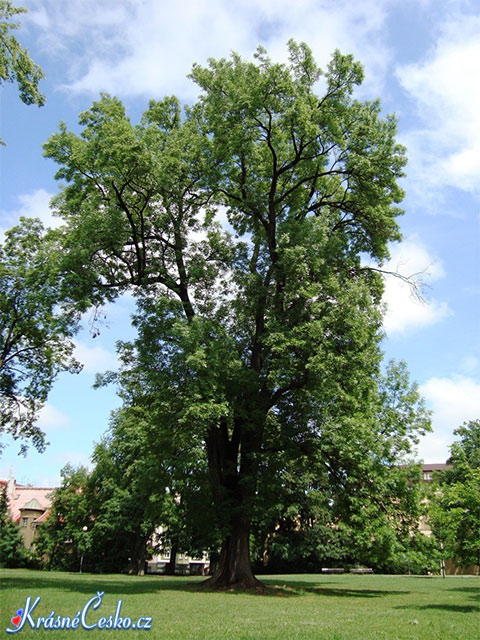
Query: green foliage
345, 500
35, 330
62, 537
155, 463
454, 501
15, 63
12, 551
465, 452
402, 415
140, 480
129, 492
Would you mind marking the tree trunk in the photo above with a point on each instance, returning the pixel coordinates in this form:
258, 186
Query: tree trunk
266, 552
213, 561
50, 561
234, 568
139, 557
233, 475
172, 563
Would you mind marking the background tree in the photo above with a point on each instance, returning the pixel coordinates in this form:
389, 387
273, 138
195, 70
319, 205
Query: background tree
15, 63
111, 515
12, 551
35, 331
454, 500
465, 452
62, 537
269, 335
128, 493
154, 468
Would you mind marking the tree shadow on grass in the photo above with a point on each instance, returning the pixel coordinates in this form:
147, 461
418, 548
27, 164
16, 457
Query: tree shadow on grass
474, 590
90, 583
32, 582
296, 589
450, 608
313, 588
473, 593
350, 593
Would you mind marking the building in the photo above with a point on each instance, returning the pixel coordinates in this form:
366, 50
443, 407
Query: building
428, 470
184, 564
29, 507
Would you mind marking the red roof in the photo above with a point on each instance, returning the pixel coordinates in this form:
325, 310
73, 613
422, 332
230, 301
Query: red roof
20, 496
43, 517
435, 466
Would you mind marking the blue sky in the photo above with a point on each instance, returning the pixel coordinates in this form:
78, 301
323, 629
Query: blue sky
422, 58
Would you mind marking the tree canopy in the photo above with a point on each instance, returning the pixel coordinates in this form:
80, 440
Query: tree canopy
141, 481
264, 337
35, 331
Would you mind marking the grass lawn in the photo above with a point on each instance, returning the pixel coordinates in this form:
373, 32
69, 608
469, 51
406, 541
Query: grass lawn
336, 607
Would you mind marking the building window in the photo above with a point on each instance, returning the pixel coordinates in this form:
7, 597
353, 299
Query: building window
24, 522
427, 475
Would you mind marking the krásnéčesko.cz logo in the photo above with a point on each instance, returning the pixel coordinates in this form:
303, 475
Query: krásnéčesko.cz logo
84, 619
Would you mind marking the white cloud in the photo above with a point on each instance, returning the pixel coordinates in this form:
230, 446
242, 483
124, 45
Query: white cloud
30, 205
434, 448
147, 48
50, 418
404, 310
454, 400
446, 151
94, 359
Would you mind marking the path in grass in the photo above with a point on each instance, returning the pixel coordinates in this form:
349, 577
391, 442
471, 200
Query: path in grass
340, 607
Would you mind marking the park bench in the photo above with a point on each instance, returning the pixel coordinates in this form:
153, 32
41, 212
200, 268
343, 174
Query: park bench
332, 570
361, 570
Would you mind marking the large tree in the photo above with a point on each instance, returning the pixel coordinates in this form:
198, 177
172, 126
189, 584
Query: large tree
268, 334
35, 331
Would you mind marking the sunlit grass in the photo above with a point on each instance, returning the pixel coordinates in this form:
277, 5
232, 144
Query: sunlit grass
340, 607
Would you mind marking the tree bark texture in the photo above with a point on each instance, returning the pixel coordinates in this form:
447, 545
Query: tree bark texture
234, 568
232, 477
